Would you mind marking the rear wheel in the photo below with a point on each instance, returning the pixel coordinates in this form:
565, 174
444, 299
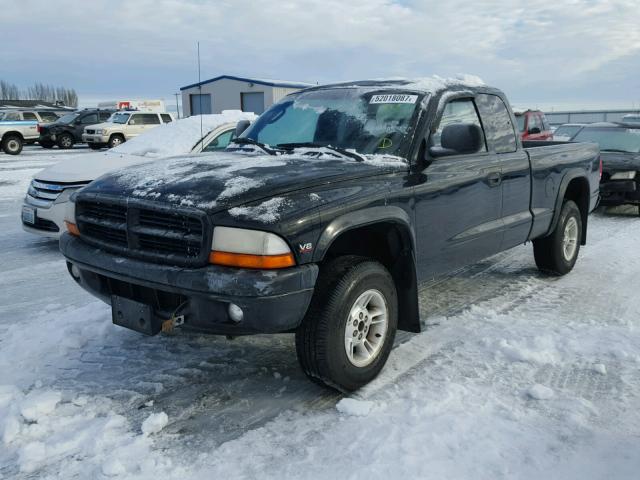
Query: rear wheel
115, 140
347, 334
557, 253
65, 141
12, 144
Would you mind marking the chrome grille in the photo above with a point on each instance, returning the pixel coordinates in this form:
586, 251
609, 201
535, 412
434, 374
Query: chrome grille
45, 193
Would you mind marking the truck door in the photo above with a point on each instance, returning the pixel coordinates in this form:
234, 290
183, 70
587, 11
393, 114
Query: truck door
458, 201
135, 126
78, 128
514, 163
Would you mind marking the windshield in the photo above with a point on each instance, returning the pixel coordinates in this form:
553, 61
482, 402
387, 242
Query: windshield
68, 118
119, 118
520, 120
366, 121
566, 131
611, 138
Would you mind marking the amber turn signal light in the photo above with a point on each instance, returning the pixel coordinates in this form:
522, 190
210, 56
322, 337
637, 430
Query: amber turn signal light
244, 260
72, 228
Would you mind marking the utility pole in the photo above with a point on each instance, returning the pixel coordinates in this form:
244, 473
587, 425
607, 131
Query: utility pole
177, 107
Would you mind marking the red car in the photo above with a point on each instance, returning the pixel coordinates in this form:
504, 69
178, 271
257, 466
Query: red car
533, 125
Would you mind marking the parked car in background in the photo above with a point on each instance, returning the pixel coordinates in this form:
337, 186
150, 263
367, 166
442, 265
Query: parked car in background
620, 150
67, 130
631, 118
48, 195
20, 127
326, 215
533, 125
122, 126
565, 132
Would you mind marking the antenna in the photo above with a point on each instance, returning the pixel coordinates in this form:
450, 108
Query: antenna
177, 107
200, 92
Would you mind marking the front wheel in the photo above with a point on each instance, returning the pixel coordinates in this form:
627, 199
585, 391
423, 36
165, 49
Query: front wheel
12, 144
116, 140
557, 253
65, 141
347, 334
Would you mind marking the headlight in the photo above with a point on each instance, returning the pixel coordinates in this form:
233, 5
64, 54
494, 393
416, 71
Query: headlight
70, 219
101, 131
623, 176
238, 247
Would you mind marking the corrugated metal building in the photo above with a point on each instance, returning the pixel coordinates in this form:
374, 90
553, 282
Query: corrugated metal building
586, 116
227, 92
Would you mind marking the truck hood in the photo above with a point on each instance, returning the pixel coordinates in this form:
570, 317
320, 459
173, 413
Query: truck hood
619, 161
85, 167
104, 125
218, 181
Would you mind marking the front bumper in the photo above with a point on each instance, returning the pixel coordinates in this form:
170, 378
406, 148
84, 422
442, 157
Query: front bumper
49, 215
619, 192
100, 139
272, 301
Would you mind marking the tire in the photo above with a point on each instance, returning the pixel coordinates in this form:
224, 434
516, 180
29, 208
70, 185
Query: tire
95, 146
66, 141
12, 144
116, 140
341, 305
557, 253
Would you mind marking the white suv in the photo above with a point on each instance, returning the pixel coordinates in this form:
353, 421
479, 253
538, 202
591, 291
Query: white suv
122, 126
18, 127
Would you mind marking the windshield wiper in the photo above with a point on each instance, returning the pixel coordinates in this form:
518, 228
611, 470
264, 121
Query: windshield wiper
341, 151
251, 141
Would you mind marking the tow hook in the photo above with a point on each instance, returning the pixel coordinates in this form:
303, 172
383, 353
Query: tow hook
169, 325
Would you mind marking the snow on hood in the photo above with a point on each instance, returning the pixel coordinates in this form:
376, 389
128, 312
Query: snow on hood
170, 139
180, 136
227, 179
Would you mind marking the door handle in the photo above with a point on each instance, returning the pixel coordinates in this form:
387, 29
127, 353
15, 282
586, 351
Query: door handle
494, 179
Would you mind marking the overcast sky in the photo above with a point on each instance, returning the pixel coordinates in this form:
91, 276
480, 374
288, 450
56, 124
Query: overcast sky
560, 53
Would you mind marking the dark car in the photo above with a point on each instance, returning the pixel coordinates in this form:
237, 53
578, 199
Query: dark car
326, 216
620, 149
67, 131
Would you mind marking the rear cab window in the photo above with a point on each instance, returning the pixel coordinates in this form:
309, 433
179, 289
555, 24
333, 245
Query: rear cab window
496, 120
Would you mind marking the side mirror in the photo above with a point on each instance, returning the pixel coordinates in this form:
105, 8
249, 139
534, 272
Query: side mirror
458, 139
534, 131
241, 126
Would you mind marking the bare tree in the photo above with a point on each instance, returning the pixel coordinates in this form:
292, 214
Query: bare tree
39, 91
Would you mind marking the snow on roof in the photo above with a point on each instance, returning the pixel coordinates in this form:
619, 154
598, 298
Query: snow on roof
259, 81
180, 136
431, 84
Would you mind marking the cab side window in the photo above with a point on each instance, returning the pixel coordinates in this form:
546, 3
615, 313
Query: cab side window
150, 119
220, 142
90, 119
29, 116
48, 116
135, 120
498, 127
457, 111
166, 118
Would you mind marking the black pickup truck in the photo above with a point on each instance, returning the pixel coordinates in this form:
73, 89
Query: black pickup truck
325, 215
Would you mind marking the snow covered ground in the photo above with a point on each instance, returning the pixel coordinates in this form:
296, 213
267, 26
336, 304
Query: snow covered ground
517, 375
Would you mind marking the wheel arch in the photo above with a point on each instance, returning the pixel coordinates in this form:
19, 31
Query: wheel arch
574, 186
12, 132
383, 234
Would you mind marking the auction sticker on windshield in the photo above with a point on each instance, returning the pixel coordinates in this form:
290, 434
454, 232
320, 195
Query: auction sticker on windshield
394, 98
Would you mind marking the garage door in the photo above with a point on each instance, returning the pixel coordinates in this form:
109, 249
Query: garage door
252, 102
200, 104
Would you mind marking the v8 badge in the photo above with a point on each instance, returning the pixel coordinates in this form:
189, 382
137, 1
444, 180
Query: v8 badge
305, 247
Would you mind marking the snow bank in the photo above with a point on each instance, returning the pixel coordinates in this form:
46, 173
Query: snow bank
180, 136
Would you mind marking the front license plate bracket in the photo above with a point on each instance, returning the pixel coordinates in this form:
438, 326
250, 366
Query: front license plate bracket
134, 315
